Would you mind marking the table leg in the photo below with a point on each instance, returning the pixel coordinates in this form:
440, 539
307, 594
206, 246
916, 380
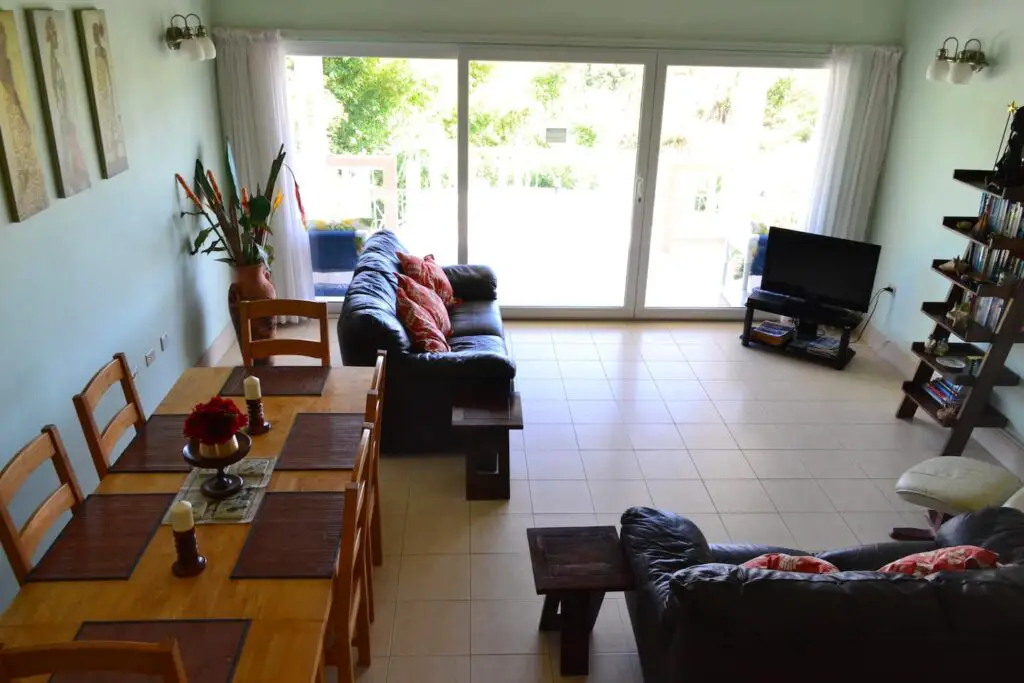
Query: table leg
487, 463
579, 613
549, 619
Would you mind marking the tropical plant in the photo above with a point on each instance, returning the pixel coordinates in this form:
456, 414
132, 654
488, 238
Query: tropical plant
240, 225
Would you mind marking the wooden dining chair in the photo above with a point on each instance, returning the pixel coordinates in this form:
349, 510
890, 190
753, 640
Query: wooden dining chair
374, 416
101, 443
151, 659
253, 349
349, 620
362, 473
20, 544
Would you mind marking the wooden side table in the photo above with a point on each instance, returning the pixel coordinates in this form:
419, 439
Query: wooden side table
573, 568
484, 425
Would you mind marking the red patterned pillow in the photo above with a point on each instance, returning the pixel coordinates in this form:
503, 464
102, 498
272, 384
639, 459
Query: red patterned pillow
805, 564
429, 301
955, 559
426, 272
420, 325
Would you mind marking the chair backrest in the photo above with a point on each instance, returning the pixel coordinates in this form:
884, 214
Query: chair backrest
152, 659
350, 579
374, 414
20, 544
265, 348
101, 443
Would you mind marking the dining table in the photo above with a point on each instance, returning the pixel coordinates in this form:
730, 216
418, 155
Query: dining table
284, 618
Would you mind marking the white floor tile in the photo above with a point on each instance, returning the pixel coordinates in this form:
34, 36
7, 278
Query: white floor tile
797, 495
588, 389
681, 390
549, 437
644, 412
506, 627
706, 436
670, 369
680, 495
739, 495
611, 465
760, 528
560, 496
873, 527
617, 496
721, 464
654, 436
595, 412
546, 411
673, 464
603, 437
777, 464
855, 495
581, 369
694, 412
816, 531
565, 464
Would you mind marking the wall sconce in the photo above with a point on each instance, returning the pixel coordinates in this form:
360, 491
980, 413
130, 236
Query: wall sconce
192, 41
960, 66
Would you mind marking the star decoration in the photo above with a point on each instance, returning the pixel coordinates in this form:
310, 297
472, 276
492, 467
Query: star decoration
1013, 107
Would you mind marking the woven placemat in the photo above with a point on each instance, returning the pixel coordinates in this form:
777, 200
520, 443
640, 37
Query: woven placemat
294, 536
210, 648
279, 380
322, 441
157, 448
104, 539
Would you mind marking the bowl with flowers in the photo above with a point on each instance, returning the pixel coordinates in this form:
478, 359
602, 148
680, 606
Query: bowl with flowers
216, 441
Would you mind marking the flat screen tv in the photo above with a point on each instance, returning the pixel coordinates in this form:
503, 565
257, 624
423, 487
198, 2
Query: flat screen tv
824, 270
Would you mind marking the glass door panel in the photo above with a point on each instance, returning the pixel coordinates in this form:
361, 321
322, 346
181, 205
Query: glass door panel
737, 154
552, 178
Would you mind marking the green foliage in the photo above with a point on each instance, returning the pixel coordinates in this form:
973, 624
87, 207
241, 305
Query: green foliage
259, 210
608, 76
675, 142
489, 128
479, 73
778, 96
791, 107
554, 177
547, 87
585, 136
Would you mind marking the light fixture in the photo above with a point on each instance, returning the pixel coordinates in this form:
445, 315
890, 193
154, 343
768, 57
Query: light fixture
959, 66
192, 41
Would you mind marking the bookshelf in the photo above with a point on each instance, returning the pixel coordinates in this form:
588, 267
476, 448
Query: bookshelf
994, 290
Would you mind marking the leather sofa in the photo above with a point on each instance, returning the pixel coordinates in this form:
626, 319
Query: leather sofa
422, 387
697, 616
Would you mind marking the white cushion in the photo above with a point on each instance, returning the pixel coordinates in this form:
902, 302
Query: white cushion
956, 484
1016, 501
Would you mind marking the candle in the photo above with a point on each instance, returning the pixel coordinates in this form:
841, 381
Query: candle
252, 389
181, 517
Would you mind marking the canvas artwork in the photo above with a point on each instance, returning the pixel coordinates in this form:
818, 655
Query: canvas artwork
23, 168
99, 75
51, 40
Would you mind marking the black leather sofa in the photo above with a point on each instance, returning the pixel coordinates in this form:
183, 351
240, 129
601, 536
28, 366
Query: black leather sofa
421, 387
697, 616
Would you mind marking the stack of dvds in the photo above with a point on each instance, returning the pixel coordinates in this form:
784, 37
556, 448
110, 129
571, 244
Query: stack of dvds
944, 392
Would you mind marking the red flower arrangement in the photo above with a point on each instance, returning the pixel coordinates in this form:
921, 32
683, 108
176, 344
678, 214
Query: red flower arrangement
215, 421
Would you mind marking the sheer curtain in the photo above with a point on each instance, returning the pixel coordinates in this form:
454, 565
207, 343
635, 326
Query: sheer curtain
254, 114
854, 134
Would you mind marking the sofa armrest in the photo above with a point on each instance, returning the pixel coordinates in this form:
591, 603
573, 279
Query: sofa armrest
873, 556
738, 553
473, 283
472, 366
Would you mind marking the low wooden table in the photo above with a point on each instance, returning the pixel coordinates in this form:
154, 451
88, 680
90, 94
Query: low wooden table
484, 425
573, 567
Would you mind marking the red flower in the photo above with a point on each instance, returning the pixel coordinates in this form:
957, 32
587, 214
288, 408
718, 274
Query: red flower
215, 421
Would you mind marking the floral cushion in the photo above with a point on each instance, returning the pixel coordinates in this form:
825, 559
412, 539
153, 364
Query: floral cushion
420, 325
955, 559
805, 564
430, 302
428, 273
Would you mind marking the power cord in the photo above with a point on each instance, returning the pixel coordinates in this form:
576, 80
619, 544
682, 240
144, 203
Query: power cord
872, 306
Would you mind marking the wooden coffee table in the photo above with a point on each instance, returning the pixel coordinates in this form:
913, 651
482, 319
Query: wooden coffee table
573, 567
484, 424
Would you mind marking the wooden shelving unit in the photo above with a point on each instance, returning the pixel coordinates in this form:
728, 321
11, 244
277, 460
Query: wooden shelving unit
974, 410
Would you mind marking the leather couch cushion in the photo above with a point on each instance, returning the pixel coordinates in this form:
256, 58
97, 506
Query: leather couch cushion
738, 553
476, 318
871, 557
999, 529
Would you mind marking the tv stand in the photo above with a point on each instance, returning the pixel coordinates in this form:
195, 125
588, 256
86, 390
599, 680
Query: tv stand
809, 315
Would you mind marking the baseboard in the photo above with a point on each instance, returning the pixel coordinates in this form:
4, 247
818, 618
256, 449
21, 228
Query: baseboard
894, 354
221, 345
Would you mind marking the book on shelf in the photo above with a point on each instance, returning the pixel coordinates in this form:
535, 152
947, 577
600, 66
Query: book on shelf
825, 346
944, 392
772, 333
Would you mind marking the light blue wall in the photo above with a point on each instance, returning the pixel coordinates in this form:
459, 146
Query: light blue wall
106, 270
819, 21
937, 128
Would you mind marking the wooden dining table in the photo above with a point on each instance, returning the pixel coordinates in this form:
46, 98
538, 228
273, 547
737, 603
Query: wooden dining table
287, 617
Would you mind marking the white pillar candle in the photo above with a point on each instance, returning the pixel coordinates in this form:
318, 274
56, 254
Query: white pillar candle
181, 516
252, 388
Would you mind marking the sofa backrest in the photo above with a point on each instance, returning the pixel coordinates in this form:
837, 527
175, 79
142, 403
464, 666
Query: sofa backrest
369, 319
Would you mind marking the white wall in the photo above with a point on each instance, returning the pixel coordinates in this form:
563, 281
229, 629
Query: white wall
747, 20
107, 270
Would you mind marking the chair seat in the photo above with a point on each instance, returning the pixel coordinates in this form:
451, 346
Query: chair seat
954, 485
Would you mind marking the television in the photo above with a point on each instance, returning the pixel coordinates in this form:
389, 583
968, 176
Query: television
823, 270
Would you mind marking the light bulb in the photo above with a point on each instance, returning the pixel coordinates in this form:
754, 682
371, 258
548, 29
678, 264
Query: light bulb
960, 73
937, 70
193, 50
209, 49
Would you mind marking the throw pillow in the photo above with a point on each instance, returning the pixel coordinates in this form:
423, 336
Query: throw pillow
805, 564
428, 273
420, 325
955, 559
430, 302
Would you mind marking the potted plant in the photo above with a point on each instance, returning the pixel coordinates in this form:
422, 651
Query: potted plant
215, 426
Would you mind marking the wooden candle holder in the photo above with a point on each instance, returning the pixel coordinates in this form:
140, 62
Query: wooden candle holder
189, 562
257, 422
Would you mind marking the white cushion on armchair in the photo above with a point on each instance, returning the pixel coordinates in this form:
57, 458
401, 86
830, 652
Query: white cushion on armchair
957, 484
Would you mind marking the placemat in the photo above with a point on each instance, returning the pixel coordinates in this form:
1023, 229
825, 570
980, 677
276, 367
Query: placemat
294, 536
210, 648
322, 441
237, 509
157, 448
105, 539
279, 380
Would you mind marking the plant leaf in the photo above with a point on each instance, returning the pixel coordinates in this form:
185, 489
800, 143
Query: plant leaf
226, 260
201, 239
275, 171
259, 209
232, 179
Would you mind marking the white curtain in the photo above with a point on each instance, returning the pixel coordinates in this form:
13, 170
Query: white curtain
254, 114
853, 135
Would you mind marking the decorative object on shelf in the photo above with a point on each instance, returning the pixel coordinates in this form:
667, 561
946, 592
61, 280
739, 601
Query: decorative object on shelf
951, 363
254, 402
216, 441
959, 314
50, 40
957, 267
188, 561
24, 181
99, 76
1009, 170
239, 230
192, 41
959, 66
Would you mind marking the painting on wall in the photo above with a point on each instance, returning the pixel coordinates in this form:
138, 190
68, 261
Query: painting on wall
99, 75
50, 41
23, 169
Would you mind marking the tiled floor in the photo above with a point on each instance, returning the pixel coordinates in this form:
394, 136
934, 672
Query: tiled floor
753, 447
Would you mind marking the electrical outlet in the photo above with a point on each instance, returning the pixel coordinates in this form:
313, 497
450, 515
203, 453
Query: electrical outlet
891, 288
150, 357
135, 372
165, 341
